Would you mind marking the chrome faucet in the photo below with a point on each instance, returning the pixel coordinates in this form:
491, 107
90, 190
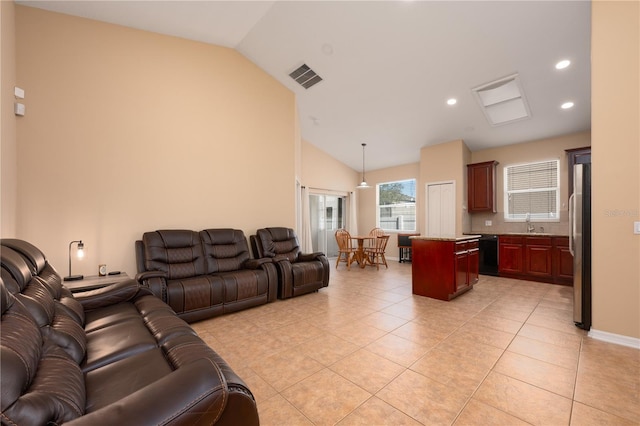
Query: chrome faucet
530, 227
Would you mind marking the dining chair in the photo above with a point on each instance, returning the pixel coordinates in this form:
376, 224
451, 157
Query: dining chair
375, 232
376, 253
346, 252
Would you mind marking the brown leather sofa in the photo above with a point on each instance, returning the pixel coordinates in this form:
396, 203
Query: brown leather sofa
298, 273
112, 356
205, 274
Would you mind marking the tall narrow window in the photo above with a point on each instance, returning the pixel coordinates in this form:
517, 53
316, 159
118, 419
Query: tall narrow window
532, 191
397, 205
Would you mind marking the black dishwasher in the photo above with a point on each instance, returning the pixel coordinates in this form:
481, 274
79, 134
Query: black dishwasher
488, 245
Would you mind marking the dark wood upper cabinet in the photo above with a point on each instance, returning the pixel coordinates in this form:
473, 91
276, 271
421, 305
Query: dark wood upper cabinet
576, 156
481, 182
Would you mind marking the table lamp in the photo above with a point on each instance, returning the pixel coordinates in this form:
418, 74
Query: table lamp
80, 254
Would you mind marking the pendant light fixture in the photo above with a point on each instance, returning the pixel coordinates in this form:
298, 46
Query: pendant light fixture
363, 184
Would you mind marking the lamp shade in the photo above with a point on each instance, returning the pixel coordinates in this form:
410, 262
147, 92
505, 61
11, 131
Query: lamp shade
364, 183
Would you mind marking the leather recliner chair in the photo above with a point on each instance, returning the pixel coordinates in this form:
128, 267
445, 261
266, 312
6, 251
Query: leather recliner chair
298, 273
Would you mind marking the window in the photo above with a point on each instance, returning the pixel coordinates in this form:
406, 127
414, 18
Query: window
532, 191
397, 205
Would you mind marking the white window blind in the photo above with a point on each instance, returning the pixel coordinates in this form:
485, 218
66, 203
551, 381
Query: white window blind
532, 190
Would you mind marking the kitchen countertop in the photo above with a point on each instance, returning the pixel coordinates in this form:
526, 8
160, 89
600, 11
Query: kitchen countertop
525, 234
456, 238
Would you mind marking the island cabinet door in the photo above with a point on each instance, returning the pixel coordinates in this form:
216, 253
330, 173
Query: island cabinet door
474, 262
462, 270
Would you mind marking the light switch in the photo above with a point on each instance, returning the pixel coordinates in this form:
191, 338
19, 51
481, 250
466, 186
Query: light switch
636, 227
488, 223
19, 93
18, 108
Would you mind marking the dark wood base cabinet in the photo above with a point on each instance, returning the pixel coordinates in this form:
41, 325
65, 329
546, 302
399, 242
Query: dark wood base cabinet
444, 269
536, 258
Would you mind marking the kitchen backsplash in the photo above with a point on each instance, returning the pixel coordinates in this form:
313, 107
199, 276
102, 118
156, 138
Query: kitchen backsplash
499, 226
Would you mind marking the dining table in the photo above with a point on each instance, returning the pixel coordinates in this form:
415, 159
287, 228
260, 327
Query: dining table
360, 255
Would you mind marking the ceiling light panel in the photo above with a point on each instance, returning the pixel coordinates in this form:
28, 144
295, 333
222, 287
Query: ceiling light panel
503, 101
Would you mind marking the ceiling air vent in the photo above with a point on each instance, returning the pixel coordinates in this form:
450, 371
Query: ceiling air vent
503, 101
305, 76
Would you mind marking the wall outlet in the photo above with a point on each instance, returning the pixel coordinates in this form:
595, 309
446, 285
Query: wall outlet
636, 227
488, 223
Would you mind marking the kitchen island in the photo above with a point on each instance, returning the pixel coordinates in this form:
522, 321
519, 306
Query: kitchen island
444, 267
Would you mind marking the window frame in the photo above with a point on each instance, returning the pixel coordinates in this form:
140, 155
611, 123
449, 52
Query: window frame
532, 217
415, 205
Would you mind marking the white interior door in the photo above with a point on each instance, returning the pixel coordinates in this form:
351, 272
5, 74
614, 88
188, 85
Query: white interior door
441, 209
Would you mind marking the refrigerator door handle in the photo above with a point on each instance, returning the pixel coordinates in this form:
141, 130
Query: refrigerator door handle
572, 211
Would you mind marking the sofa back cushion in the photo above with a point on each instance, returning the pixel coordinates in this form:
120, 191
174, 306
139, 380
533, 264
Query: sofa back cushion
224, 249
33, 390
178, 253
16, 266
38, 264
279, 243
57, 322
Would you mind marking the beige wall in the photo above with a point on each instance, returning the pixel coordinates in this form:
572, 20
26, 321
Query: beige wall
615, 47
367, 198
540, 150
8, 153
320, 170
129, 131
439, 163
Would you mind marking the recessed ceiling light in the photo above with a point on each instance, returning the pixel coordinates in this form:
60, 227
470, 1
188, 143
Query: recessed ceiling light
452, 101
563, 64
567, 105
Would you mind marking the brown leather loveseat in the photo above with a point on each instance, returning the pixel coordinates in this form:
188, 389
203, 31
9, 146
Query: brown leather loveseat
204, 274
298, 273
112, 356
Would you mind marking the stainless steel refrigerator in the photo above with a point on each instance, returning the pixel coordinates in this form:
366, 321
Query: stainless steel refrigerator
580, 244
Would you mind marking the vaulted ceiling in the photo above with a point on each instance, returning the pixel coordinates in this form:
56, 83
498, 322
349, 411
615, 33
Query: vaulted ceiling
389, 67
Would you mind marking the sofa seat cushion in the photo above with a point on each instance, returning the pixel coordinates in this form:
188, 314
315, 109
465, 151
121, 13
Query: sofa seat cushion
110, 315
308, 273
115, 342
243, 284
193, 294
112, 382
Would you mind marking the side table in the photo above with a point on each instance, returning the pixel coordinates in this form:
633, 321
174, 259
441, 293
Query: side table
93, 282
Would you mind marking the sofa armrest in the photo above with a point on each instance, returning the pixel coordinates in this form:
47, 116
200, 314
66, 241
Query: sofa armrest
256, 263
109, 295
155, 281
142, 276
306, 257
194, 394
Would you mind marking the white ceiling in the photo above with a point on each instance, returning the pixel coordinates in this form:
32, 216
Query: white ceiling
389, 66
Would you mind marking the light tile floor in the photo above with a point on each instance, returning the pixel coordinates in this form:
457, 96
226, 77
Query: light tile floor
365, 351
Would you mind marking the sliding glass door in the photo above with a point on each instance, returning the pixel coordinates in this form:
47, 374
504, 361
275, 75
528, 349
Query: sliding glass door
328, 213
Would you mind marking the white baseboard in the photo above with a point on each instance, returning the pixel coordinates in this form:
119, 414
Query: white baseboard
618, 339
